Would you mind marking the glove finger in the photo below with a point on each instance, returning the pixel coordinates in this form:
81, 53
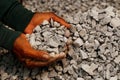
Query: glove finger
32, 63
60, 20
39, 55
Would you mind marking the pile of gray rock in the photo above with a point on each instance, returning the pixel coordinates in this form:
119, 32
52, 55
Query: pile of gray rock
50, 37
94, 42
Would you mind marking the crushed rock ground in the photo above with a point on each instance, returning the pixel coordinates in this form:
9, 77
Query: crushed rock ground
94, 53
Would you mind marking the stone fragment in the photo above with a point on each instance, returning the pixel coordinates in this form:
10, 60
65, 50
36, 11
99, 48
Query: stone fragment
82, 32
47, 34
83, 54
56, 24
4, 76
109, 11
44, 76
108, 71
106, 20
114, 78
14, 77
115, 22
52, 73
65, 63
73, 29
89, 69
37, 28
94, 13
32, 39
53, 50
99, 79
58, 68
67, 33
35, 71
52, 43
78, 27
109, 33
45, 22
70, 70
80, 79
114, 54
76, 34
96, 44
78, 42
117, 59
51, 22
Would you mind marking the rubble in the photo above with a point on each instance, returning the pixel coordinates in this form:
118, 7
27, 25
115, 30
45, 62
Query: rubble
93, 42
89, 69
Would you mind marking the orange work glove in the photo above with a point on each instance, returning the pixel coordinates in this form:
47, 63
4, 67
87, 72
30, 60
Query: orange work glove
38, 18
29, 56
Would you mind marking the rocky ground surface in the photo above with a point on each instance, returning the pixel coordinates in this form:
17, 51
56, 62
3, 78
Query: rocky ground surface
95, 50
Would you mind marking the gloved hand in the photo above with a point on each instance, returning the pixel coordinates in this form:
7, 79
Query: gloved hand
30, 56
38, 18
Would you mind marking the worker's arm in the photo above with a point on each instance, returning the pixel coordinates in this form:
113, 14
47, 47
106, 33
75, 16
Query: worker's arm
13, 14
7, 37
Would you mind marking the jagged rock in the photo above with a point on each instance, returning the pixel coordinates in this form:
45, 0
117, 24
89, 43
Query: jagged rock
80, 79
94, 22
44, 76
117, 59
115, 22
82, 32
83, 54
78, 42
114, 78
67, 33
89, 69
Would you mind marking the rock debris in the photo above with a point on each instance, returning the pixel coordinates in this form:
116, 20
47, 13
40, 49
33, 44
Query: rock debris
93, 42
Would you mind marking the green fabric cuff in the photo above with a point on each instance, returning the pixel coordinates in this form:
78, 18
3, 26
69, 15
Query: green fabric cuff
17, 17
7, 37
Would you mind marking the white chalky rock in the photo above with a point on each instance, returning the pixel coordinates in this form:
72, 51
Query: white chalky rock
27, 36
96, 44
78, 42
108, 71
117, 59
99, 79
45, 76
76, 34
67, 33
52, 43
89, 69
56, 24
46, 34
82, 32
53, 50
84, 55
52, 54
37, 28
94, 13
78, 26
4, 76
80, 79
45, 22
109, 11
115, 22
32, 40
114, 78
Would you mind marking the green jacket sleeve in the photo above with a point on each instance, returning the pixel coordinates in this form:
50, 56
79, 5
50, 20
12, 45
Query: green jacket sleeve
7, 37
13, 14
